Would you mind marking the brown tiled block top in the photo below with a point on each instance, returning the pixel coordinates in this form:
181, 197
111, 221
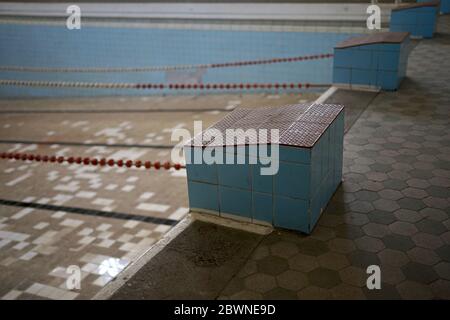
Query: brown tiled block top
381, 37
299, 125
417, 5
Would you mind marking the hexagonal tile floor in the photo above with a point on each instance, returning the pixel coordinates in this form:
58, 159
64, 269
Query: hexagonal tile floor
392, 209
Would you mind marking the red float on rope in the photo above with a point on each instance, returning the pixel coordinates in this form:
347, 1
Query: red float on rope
159, 86
88, 161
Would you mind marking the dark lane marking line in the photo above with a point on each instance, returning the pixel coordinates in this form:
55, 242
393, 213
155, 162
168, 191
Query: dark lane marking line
93, 144
89, 212
114, 111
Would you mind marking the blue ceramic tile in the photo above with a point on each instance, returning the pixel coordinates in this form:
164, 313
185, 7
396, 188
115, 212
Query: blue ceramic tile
426, 17
202, 173
342, 58
235, 175
203, 196
413, 20
291, 214
235, 201
427, 31
325, 139
387, 80
341, 75
430, 10
263, 207
364, 77
388, 60
315, 209
293, 180
369, 47
403, 28
295, 154
361, 59
402, 17
390, 46
261, 183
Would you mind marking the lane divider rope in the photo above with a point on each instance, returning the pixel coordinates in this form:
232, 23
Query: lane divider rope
161, 86
165, 68
91, 161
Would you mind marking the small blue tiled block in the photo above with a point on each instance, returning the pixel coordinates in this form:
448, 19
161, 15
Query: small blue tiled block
325, 146
291, 214
235, 201
203, 196
293, 180
263, 207
418, 21
412, 28
362, 64
293, 198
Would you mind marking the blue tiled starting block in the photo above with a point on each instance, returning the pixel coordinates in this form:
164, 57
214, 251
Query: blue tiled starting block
305, 157
378, 60
417, 18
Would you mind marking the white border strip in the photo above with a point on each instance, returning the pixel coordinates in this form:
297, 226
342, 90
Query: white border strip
324, 96
332, 90
230, 221
230, 25
357, 87
241, 11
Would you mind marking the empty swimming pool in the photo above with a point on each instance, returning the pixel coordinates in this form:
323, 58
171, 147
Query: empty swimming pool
138, 52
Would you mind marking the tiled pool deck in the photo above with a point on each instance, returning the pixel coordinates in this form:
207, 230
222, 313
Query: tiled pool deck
392, 210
